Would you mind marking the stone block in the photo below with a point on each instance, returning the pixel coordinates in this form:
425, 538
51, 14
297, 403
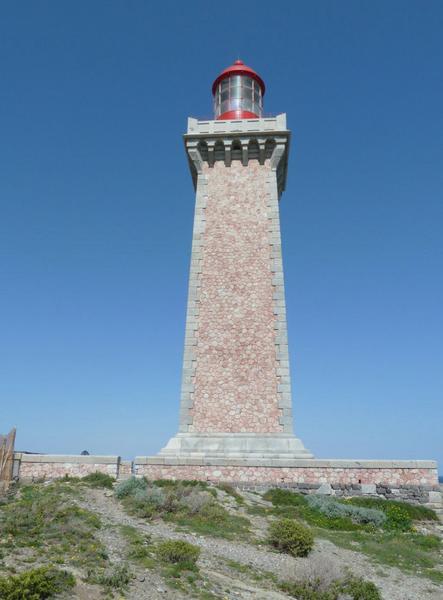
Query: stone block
325, 489
435, 497
368, 488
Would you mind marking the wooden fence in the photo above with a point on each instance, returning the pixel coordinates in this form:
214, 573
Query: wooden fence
6, 459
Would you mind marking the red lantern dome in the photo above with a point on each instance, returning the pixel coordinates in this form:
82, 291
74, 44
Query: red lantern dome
238, 93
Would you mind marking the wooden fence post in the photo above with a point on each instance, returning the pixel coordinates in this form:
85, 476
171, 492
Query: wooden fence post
6, 459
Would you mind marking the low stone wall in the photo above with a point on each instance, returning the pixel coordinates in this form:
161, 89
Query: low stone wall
32, 467
414, 481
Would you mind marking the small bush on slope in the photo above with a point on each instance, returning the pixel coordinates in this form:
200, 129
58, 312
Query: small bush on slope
351, 587
196, 501
358, 589
152, 495
98, 480
400, 515
128, 487
289, 504
332, 508
291, 537
416, 512
178, 551
37, 584
116, 577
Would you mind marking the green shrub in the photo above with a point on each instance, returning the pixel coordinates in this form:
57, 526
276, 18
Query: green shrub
295, 506
99, 480
332, 508
291, 537
195, 502
178, 551
399, 515
280, 497
36, 584
333, 513
415, 512
359, 589
151, 495
117, 577
128, 487
317, 589
397, 519
144, 499
305, 590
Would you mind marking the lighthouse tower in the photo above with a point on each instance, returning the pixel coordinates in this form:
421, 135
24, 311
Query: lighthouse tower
236, 407
235, 404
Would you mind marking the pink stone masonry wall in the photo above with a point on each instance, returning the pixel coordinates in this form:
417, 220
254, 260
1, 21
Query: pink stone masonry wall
235, 383
51, 470
286, 475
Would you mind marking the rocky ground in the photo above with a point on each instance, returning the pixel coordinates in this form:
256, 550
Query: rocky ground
231, 569
227, 583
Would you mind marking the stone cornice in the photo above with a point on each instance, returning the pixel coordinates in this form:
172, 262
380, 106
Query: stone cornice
306, 463
66, 458
243, 140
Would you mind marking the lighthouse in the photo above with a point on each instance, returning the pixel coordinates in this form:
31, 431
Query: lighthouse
235, 402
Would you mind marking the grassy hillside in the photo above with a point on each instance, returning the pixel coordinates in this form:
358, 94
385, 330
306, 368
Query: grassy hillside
94, 538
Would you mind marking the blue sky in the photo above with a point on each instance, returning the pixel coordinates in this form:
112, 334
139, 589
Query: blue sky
97, 205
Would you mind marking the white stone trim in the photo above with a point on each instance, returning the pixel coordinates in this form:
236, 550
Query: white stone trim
66, 458
309, 463
277, 123
191, 328
279, 305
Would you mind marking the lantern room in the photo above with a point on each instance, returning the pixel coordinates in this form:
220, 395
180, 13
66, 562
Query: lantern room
238, 93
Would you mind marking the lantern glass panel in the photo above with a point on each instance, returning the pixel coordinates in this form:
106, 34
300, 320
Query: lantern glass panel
235, 80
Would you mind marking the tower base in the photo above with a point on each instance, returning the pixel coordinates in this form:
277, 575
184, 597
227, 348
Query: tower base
227, 446
411, 480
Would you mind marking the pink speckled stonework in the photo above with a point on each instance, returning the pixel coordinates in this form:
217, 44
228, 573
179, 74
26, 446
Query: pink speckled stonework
50, 470
235, 382
286, 475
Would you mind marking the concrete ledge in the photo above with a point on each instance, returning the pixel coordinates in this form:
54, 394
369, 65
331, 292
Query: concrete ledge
198, 127
284, 462
252, 447
66, 458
